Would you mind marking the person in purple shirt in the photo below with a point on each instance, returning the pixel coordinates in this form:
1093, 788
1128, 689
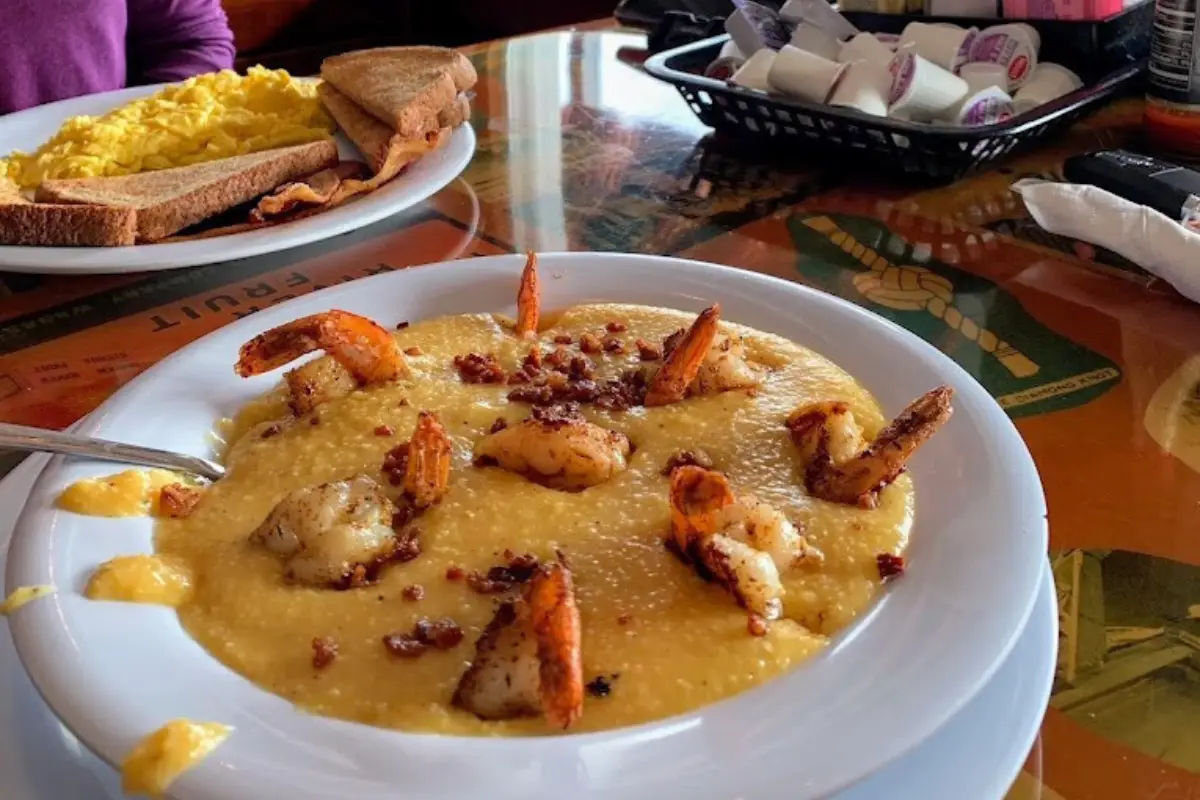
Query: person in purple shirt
54, 49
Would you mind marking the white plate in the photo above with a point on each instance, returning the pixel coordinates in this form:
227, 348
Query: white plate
27, 130
114, 672
975, 755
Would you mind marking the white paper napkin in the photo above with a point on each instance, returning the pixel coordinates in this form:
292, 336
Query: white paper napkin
1155, 242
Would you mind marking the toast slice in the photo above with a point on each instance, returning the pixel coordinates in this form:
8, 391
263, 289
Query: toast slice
49, 225
170, 200
457, 113
403, 87
370, 136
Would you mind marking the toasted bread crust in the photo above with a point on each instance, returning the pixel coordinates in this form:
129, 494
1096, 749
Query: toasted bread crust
51, 225
404, 87
369, 135
457, 113
170, 200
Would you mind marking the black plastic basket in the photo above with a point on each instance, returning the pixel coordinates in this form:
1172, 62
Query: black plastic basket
943, 153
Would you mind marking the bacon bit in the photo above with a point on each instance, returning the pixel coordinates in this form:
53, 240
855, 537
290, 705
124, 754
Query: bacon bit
647, 351
455, 573
533, 360
536, 395
315, 419
443, 634
404, 645
357, 578
325, 650
413, 351
590, 343
408, 547
271, 430
413, 593
500, 424
601, 685
890, 566
612, 344
687, 458
615, 327
395, 464
403, 402
563, 338
502, 578
756, 625
476, 368
384, 430
177, 500
624, 619
402, 325
581, 368
558, 358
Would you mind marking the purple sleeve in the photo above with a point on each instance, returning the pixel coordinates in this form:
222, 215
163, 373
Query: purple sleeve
170, 40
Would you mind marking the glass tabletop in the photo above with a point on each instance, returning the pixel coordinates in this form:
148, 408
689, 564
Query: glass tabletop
1097, 362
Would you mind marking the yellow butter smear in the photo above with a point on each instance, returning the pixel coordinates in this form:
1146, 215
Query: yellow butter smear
205, 118
131, 493
158, 760
23, 596
140, 579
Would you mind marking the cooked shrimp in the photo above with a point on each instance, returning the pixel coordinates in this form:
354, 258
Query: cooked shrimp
741, 543
335, 534
427, 475
316, 382
366, 350
680, 368
724, 368
558, 448
528, 661
840, 469
528, 299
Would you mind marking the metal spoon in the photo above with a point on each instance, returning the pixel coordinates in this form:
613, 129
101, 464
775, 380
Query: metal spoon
20, 437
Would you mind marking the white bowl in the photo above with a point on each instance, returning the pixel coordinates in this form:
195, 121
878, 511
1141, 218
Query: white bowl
114, 672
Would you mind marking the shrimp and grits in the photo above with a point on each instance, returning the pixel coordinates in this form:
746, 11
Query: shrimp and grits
574, 521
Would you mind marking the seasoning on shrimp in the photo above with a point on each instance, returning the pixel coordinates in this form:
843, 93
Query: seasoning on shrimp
528, 660
841, 467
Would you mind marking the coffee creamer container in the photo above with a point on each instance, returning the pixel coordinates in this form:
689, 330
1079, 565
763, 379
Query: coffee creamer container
1172, 118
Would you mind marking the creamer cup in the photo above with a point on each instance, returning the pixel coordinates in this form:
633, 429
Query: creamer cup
864, 86
943, 44
980, 75
1008, 46
984, 107
753, 74
865, 47
803, 75
731, 50
921, 89
1048, 82
819, 13
754, 27
816, 40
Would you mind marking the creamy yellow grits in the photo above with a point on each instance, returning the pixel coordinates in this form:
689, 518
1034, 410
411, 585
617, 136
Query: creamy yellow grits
674, 642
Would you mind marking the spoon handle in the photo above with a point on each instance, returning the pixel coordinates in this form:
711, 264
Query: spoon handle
20, 437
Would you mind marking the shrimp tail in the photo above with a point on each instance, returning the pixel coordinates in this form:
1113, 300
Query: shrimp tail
859, 480
671, 382
360, 345
557, 629
529, 299
427, 476
698, 496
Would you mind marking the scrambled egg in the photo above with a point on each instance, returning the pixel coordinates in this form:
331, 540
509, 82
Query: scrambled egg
157, 760
205, 118
132, 493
